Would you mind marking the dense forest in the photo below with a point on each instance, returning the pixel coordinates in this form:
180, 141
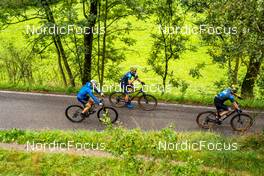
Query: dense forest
193, 46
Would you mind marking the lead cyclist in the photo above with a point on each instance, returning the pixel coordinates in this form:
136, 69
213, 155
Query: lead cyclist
127, 82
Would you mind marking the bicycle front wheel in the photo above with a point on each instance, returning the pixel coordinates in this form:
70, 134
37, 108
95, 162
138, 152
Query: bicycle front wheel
73, 113
107, 114
241, 122
147, 102
117, 99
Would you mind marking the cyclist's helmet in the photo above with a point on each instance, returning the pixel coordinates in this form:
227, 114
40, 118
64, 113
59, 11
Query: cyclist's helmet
133, 69
234, 89
94, 83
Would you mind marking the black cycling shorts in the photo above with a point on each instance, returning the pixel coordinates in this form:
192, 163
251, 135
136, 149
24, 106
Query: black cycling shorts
219, 104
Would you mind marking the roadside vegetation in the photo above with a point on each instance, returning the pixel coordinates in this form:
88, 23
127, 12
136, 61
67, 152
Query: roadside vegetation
135, 152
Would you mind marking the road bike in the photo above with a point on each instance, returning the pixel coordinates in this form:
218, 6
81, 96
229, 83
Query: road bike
145, 101
239, 122
73, 113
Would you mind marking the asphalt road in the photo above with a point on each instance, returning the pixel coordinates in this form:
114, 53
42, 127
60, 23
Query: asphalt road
45, 111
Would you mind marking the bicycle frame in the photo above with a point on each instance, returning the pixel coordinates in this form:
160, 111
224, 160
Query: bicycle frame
229, 114
93, 106
131, 98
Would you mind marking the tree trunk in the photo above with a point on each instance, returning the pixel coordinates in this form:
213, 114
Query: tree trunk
64, 58
60, 65
235, 72
104, 44
57, 38
250, 78
88, 41
164, 77
98, 45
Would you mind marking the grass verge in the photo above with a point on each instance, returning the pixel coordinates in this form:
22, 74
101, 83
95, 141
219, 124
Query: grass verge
240, 155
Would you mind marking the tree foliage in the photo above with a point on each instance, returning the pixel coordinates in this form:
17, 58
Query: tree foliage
168, 44
239, 40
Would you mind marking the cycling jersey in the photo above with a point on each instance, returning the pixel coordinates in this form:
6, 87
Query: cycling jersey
226, 95
128, 76
87, 89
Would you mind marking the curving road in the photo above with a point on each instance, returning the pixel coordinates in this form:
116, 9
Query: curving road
46, 111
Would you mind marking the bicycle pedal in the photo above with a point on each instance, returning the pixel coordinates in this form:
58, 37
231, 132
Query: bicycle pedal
218, 121
92, 112
83, 115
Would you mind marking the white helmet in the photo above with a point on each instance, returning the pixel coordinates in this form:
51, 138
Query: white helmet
94, 83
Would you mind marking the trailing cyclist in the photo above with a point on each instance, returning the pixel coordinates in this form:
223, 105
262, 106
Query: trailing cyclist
86, 96
222, 97
127, 82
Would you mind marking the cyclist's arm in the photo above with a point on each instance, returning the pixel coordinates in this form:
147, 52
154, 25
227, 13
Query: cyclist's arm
90, 93
235, 105
131, 81
237, 96
137, 79
97, 91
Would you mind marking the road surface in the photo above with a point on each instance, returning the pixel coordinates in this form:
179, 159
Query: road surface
46, 111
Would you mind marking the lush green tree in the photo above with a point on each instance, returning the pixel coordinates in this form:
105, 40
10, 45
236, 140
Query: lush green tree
113, 14
234, 31
169, 43
18, 64
20, 11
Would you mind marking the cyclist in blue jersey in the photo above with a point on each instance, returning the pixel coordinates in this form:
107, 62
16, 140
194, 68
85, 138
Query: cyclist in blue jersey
86, 96
127, 82
222, 97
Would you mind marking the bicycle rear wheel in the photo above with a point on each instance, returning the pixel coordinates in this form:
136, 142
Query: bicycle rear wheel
117, 99
206, 119
73, 113
241, 122
147, 102
106, 113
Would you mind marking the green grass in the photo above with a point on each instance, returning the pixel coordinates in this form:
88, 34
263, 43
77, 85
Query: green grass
20, 163
38, 88
247, 157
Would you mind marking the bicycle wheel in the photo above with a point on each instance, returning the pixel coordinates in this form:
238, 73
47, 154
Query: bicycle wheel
147, 102
107, 112
73, 113
117, 99
241, 122
206, 119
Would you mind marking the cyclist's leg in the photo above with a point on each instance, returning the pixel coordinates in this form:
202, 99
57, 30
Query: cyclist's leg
88, 105
218, 108
127, 102
225, 110
124, 88
221, 108
82, 101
